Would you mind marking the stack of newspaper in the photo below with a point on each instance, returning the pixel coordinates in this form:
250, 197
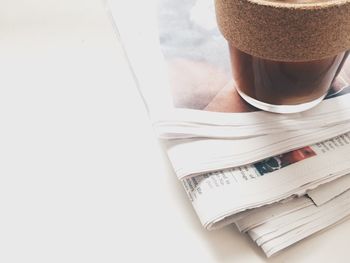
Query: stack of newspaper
276, 226
278, 178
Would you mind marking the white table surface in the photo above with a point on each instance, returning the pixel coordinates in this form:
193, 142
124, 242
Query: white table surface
82, 177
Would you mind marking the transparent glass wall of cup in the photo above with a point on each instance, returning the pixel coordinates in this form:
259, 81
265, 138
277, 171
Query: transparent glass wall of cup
280, 85
283, 87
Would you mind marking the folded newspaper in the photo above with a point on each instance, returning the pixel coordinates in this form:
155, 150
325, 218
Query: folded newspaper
237, 164
277, 226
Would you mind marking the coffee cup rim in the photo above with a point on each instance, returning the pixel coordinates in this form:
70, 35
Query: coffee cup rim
301, 6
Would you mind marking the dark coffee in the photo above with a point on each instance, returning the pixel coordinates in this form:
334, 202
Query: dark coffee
283, 83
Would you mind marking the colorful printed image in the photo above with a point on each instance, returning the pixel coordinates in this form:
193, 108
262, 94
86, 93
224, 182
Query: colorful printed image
198, 62
278, 162
197, 57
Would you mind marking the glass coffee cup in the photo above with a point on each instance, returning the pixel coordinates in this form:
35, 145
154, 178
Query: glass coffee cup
285, 55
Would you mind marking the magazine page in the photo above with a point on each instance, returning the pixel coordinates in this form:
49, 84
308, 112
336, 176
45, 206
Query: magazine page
136, 25
182, 69
197, 58
200, 78
219, 195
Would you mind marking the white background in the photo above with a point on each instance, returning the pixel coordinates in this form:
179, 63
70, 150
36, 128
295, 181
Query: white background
82, 177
